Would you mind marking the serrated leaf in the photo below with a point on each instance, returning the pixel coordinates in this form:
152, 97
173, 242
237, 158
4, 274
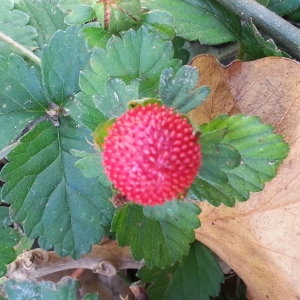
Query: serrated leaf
13, 23
78, 11
160, 235
197, 276
8, 239
139, 55
203, 20
66, 288
255, 147
91, 165
62, 61
254, 46
5, 219
50, 195
21, 97
45, 17
117, 76
179, 91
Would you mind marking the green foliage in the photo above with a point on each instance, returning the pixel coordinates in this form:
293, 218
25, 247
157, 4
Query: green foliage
280, 7
62, 60
206, 21
129, 52
160, 235
45, 17
240, 154
14, 24
69, 205
8, 239
5, 219
197, 276
178, 90
22, 98
66, 288
253, 45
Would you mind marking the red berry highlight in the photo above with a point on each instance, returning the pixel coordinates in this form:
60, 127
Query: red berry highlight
151, 154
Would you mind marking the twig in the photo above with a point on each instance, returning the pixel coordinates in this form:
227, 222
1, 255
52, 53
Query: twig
268, 21
21, 48
105, 259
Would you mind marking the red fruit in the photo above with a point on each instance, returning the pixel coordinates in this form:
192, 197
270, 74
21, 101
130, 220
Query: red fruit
151, 154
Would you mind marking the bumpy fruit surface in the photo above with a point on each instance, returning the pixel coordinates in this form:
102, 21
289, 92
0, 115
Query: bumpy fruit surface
151, 154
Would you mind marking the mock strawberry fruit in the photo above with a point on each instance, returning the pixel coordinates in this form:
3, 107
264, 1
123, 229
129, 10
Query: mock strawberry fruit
151, 154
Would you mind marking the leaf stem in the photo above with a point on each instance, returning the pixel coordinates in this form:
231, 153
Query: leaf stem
19, 47
268, 21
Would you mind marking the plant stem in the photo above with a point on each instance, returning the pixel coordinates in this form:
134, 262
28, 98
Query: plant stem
19, 47
268, 21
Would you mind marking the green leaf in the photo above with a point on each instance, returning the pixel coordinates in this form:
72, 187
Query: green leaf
84, 111
203, 20
5, 219
197, 276
78, 11
280, 7
21, 97
45, 17
160, 21
240, 154
8, 239
139, 55
114, 100
160, 235
66, 288
253, 46
116, 76
178, 90
62, 61
294, 15
96, 36
13, 23
91, 166
123, 15
49, 193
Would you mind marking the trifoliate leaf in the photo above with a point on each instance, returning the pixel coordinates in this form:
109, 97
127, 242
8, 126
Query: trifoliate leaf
66, 288
45, 17
62, 61
160, 235
253, 45
21, 97
78, 11
240, 154
206, 21
178, 90
5, 219
8, 239
13, 23
49, 193
90, 164
197, 276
